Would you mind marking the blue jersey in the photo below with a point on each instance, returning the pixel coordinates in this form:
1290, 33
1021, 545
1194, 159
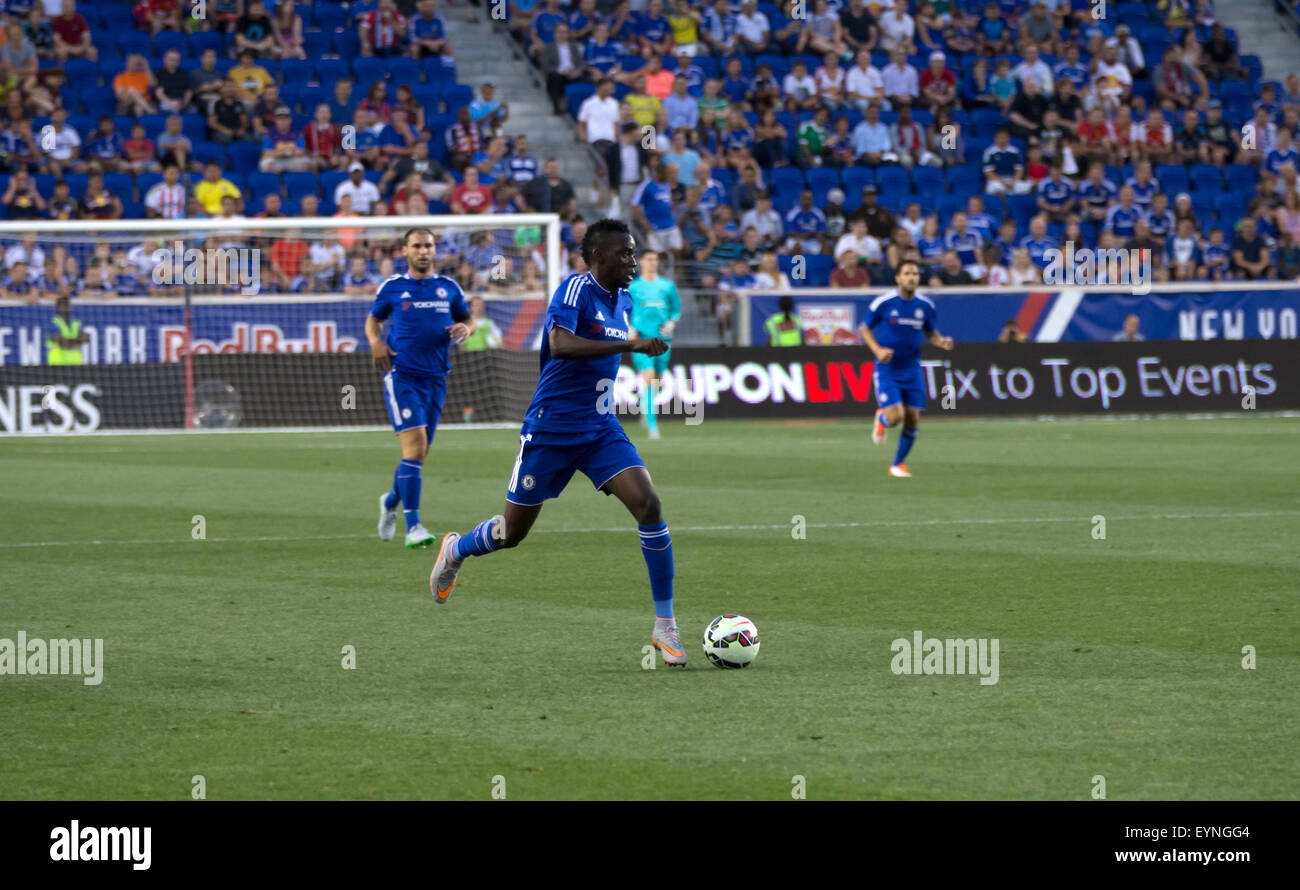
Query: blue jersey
1038, 249
421, 310
967, 245
901, 325
656, 201
1143, 192
569, 390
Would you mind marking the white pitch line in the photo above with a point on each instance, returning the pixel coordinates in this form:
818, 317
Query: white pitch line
692, 528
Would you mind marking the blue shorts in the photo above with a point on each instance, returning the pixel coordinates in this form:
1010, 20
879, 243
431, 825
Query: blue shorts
642, 362
414, 401
894, 385
547, 460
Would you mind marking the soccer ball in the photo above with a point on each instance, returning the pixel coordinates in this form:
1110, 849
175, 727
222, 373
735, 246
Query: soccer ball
731, 641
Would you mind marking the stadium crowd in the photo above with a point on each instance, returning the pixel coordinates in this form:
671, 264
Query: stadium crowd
815, 143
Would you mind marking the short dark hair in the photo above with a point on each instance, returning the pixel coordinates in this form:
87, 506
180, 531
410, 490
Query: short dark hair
907, 263
406, 239
598, 230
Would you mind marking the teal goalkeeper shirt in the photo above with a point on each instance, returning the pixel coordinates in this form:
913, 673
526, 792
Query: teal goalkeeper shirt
653, 303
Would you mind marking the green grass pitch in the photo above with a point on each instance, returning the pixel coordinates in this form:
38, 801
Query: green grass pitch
1119, 657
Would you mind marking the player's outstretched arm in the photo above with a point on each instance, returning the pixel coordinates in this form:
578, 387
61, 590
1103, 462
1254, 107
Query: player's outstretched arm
568, 345
937, 339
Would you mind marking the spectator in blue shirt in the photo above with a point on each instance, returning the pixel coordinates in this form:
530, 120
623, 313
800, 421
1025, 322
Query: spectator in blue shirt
1122, 217
1056, 195
653, 30
107, 147
541, 30
683, 111
428, 36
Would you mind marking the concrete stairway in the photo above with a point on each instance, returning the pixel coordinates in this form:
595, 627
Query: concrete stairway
486, 55
1262, 32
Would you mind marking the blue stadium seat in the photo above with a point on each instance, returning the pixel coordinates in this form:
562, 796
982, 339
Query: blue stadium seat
1021, 208
168, 40
893, 199
297, 71
1203, 201
947, 205
243, 156
1230, 205
153, 124
210, 151
893, 178
787, 182
403, 69
201, 41
347, 44
821, 180
457, 95
113, 17
439, 68
298, 184
965, 179
855, 178
1173, 179
574, 95
263, 183
1241, 178
119, 184
146, 181
96, 100
1206, 177
77, 183
82, 72
928, 180
329, 16
110, 68
329, 181
368, 69
429, 96
316, 43
331, 70
129, 42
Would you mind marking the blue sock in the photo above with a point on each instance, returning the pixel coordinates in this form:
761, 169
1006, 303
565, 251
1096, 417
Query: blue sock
408, 489
394, 497
905, 440
657, 548
479, 542
884, 420
648, 408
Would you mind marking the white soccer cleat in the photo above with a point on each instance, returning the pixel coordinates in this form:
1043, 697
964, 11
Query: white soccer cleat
387, 519
669, 643
443, 577
418, 537
900, 470
654, 433
879, 431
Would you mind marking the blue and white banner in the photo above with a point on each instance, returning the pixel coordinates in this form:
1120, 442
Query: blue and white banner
1055, 316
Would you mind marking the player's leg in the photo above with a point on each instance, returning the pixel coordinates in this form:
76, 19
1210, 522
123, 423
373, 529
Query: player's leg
643, 365
632, 486
906, 439
415, 443
541, 471
889, 397
407, 404
407, 483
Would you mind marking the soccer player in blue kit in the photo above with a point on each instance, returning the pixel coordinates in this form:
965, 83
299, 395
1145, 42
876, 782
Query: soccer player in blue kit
427, 313
894, 327
569, 426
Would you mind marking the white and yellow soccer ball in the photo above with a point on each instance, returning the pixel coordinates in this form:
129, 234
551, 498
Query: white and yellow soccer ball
731, 641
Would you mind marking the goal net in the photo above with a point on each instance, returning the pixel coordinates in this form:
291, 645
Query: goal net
258, 322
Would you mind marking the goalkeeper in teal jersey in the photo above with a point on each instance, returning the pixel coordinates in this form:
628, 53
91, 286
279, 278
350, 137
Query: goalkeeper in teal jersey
655, 310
